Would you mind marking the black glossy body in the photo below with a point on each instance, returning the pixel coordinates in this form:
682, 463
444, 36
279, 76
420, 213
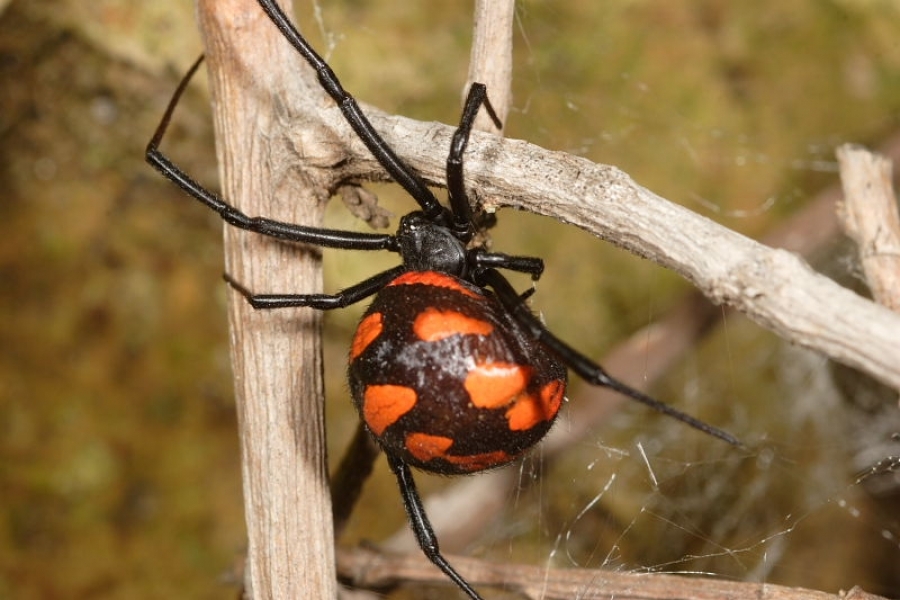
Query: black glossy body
484, 391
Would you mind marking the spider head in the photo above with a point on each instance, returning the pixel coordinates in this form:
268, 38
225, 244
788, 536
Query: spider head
427, 246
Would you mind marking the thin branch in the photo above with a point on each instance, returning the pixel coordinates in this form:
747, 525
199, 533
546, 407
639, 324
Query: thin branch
275, 354
491, 58
376, 570
648, 353
869, 216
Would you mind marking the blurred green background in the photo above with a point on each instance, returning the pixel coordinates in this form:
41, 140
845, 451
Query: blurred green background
118, 453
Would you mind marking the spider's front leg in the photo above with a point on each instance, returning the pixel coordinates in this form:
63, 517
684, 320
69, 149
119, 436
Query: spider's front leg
456, 189
530, 265
346, 297
326, 238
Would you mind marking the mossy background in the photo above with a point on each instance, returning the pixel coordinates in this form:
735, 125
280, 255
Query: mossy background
118, 454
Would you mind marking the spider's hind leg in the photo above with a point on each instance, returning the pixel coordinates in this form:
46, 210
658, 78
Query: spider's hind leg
421, 525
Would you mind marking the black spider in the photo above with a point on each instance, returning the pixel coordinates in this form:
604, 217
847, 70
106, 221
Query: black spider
449, 369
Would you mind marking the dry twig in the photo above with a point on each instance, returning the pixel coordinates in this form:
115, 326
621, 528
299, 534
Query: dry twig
491, 60
773, 287
869, 216
377, 570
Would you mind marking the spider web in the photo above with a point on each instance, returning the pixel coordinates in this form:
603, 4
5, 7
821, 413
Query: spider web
652, 498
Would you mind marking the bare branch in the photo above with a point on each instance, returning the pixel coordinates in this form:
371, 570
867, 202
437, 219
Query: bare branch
773, 287
491, 59
370, 569
869, 216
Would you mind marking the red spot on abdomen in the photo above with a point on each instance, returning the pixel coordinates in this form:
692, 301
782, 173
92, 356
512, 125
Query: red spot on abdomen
432, 325
529, 411
495, 385
479, 462
425, 448
435, 279
383, 405
366, 333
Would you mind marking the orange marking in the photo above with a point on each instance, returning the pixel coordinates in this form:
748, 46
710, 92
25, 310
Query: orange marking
494, 385
528, 411
432, 325
525, 414
366, 333
433, 278
425, 447
383, 405
479, 462
552, 396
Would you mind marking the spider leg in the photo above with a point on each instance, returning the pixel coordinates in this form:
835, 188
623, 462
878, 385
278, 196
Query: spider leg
421, 526
354, 469
497, 260
456, 191
330, 238
581, 364
527, 294
346, 297
396, 168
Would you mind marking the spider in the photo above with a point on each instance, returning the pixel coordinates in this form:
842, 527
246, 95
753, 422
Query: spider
449, 369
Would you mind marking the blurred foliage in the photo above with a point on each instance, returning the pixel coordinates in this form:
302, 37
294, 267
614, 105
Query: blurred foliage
118, 455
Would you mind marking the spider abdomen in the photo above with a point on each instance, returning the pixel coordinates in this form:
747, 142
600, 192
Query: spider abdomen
444, 378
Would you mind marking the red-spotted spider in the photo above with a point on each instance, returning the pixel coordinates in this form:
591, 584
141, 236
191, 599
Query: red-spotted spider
449, 369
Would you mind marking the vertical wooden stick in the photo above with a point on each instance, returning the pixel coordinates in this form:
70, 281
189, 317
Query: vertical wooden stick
275, 354
491, 58
870, 217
